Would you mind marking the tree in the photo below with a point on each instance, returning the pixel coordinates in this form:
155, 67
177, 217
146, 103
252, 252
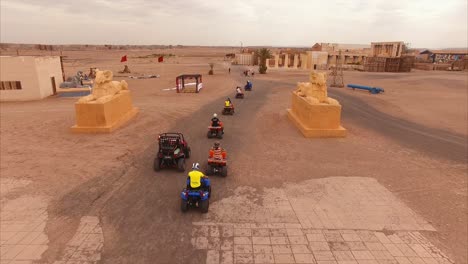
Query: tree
263, 54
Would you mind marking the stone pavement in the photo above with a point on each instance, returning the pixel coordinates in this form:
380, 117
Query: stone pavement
342, 220
86, 245
23, 219
22, 222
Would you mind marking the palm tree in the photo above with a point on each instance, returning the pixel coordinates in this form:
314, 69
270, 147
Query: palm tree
263, 54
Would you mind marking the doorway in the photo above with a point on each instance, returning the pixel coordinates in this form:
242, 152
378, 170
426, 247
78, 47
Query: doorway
54, 87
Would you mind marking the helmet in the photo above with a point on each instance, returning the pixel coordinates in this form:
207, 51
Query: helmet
215, 115
196, 166
216, 144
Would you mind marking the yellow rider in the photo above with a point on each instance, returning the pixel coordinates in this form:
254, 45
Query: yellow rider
196, 176
227, 103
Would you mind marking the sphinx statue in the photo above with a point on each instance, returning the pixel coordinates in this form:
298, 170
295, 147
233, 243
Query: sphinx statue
315, 91
108, 107
104, 88
313, 112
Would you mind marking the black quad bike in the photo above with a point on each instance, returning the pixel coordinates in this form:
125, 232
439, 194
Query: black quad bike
215, 132
173, 150
228, 110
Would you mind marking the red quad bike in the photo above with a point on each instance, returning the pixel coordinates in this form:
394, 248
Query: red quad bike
173, 150
228, 110
216, 166
215, 132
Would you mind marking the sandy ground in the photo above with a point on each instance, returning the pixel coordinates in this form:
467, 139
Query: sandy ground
435, 99
111, 176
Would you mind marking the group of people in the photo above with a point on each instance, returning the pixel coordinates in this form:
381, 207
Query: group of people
196, 178
249, 73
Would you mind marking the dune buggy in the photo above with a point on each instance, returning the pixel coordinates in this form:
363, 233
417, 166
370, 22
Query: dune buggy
173, 150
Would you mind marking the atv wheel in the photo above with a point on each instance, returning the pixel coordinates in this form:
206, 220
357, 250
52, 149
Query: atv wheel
204, 205
220, 135
188, 152
224, 171
183, 205
181, 164
157, 164
208, 134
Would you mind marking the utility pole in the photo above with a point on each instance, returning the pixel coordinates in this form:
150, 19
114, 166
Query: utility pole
241, 47
337, 73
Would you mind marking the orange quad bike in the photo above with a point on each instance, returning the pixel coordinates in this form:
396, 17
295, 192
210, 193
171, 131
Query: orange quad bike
217, 165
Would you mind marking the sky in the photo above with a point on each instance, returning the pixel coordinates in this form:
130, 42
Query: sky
422, 23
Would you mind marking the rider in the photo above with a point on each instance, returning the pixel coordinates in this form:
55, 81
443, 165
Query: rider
238, 90
249, 84
217, 152
228, 102
196, 179
215, 122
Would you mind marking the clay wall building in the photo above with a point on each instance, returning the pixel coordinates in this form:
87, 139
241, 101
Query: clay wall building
387, 49
244, 59
25, 78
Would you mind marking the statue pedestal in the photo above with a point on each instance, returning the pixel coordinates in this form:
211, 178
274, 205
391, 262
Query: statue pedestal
316, 120
104, 117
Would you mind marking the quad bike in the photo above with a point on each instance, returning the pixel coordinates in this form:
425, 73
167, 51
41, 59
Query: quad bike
198, 197
248, 86
173, 150
239, 93
217, 166
215, 132
228, 110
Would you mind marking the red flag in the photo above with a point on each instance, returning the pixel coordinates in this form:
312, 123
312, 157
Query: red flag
123, 59
161, 59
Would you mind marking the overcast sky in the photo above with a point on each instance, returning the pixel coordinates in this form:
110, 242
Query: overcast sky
422, 23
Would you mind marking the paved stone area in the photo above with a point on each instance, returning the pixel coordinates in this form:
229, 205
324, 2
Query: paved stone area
341, 220
86, 245
22, 224
22, 229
